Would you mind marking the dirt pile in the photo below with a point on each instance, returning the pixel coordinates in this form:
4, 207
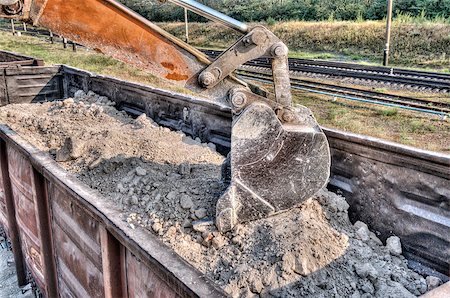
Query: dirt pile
169, 183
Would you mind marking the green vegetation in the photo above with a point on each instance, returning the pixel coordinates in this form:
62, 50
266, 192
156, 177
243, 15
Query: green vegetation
299, 10
412, 44
388, 112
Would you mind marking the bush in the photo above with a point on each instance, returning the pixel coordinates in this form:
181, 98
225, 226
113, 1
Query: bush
270, 21
306, 10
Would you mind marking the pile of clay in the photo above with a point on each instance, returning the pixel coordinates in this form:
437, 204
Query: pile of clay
168, 183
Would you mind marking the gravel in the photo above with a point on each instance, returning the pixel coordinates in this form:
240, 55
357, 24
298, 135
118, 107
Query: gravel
8, 278
168, 183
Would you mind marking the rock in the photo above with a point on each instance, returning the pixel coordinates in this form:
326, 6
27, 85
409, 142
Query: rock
393, 289
157, 227
79, 94
255, 284
212, 146
200, 213
237, 240
375, 239
202, 225
341, 204
120, 188
433, 282
184, 169
301, 266
171, 232
363, 233
189, 140
143, 121
366, 270
218, 241
186, 202
270, 277
141, 171
207, 239
187, 223
394, 245
68, 102
360, 224
366, 286
288, 263
172, 195
63, 154
232, 290
148, 207
356, 294
421, 285
134, 200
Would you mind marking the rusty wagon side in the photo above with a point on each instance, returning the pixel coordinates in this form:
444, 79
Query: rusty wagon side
75, 244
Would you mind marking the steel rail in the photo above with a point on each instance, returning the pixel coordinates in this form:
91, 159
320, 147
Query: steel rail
383, 74
338, 88
443, 112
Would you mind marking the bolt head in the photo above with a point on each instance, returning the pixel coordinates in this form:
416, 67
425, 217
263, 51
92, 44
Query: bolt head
238, 99
258, 37
288, 116
279, 50
206, 79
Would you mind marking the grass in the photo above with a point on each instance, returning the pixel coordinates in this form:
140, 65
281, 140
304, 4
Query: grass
399, 126
387, 112
387, 123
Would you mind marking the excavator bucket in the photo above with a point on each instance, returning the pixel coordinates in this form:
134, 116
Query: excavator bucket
274, 166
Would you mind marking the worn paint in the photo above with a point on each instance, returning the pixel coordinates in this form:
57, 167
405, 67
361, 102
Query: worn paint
29, 84
148, 285
3, 211
77, 249
20, 173
100, 25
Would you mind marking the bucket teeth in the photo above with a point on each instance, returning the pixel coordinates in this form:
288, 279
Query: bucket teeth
274, 166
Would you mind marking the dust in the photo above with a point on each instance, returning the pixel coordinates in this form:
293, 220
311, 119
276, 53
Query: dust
168, 183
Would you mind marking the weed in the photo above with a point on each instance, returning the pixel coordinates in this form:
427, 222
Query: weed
270, 21
388, 112
418, 126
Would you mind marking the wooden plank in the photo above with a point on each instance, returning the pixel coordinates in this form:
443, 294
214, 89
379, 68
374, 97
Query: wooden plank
3, 90
11, 216
20, 174
142, 281
112, 259
45, 235
76, 240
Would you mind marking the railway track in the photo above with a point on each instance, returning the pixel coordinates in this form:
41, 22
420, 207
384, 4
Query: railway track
391, 76
355, 94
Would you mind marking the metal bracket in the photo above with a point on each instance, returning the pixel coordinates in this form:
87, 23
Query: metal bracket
258, 42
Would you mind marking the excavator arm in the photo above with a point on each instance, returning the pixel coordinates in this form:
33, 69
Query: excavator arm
279, 155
